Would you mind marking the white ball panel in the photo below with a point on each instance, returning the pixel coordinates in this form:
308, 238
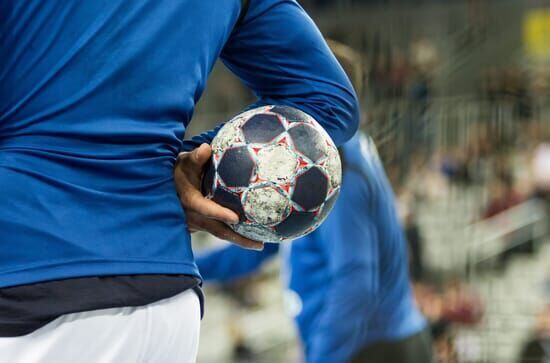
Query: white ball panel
333, 167
255, 232
266, 205
277, 164
229, 135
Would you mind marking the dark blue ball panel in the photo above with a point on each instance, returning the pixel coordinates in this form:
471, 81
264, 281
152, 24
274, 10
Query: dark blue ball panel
328, 206
207, 183
262, 128
311, 189
295, 224
236, 166
308, 141
229, 200
291, 114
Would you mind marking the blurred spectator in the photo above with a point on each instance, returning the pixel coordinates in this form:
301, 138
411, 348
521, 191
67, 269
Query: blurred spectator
414, 238
516, 89
462, 304
491, 84
457, 303
540, 81
379, 78
424, 55
431, 304
509, 84
455, 166
503, 196
455, 306
537, 348
445, 348
420, 90
399, 74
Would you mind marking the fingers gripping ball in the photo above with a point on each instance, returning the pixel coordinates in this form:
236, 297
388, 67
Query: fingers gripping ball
277, 169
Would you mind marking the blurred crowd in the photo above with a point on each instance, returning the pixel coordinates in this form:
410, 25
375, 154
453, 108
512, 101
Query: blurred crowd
502, 152
520, 87
505, 153
510, 168
395, 73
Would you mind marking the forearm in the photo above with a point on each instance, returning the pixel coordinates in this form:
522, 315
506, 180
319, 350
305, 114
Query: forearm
279, 53
232, 262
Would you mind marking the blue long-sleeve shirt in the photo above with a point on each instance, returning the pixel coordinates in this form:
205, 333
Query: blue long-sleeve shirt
350, 274
95, 97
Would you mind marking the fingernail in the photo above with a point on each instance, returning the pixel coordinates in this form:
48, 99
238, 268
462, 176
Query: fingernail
233, 220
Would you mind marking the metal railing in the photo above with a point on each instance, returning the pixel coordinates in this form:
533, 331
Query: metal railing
447, 123
527, 221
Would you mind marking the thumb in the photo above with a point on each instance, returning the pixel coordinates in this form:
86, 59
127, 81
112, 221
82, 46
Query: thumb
201, 155
195, 159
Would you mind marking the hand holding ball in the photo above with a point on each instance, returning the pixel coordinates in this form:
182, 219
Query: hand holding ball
277, 169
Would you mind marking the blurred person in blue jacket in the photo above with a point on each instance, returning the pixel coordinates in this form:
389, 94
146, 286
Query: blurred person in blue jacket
349, 278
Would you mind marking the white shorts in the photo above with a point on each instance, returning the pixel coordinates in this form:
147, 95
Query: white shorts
166, 331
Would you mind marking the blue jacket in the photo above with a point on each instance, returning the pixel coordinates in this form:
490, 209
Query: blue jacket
95, 97
350, 275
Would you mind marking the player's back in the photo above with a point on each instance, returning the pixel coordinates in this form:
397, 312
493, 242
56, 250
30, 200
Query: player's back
94, 100
353, 270
395, 308
107, 71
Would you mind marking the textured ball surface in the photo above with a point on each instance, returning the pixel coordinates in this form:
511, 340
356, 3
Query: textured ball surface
277, 169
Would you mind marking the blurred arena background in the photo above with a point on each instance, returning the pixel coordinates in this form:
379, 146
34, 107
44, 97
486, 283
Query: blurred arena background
456, 94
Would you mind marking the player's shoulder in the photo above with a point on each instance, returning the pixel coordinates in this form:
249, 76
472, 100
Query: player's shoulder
363, 172
359, 155
361, 148
255, 8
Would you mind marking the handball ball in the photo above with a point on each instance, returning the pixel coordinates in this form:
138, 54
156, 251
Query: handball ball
277, 169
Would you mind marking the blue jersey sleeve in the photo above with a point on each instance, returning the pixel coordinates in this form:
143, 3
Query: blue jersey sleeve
278, 52
232, 262
350, 239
